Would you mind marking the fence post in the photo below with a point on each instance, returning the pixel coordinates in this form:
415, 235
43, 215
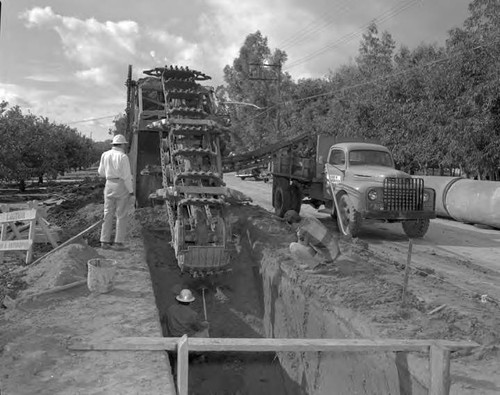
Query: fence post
182, 365
407, 274
440, 370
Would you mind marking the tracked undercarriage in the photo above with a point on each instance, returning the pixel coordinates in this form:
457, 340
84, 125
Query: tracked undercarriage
185, 159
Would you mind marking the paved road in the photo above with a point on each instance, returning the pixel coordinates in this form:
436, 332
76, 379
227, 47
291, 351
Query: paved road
466, 255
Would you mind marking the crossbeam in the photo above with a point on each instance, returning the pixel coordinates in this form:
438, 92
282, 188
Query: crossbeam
269, 345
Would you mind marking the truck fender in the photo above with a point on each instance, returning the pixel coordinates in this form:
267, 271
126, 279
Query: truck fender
335, 195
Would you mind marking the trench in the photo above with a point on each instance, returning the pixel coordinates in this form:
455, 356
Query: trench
262, 298
237, 317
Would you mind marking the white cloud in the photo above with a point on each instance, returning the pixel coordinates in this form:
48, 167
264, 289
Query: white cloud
97, 75
38, 16
43, 78
93, 45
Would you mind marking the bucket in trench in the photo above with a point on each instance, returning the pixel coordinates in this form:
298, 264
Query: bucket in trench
100, 275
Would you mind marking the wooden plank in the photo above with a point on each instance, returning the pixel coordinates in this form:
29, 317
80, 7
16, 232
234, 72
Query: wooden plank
31, 237
208, 190
21, 215
47, 232
407, 274
91, 227
15, 245
3, 229
439, 370
263, 345
182, 366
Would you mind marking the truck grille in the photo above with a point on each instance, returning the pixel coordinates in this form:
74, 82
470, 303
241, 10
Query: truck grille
403, 194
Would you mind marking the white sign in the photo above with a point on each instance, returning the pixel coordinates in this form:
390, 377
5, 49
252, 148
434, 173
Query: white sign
21, 215
15, 245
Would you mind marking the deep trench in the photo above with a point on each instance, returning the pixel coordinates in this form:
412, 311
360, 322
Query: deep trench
240, 316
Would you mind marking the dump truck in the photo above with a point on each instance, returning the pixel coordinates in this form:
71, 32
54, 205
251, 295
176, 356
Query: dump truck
354, 181
175, 125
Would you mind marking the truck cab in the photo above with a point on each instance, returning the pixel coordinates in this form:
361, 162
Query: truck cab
362, 182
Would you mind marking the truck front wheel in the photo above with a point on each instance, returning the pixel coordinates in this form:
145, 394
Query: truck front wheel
416, 228
349, 219
282, 196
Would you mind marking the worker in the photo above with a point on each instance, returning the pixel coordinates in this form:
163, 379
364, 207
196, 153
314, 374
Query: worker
183, 320
118, 192
313, 238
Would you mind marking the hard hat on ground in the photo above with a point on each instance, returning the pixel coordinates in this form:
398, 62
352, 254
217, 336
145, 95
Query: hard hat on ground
292, 216
185, 296
119, 139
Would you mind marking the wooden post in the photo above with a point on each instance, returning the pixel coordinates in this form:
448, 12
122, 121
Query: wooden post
439, 370
3, 229
407, 274
31, 236
182, 365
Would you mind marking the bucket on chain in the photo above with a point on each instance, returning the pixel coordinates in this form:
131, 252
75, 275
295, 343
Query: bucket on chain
101, 274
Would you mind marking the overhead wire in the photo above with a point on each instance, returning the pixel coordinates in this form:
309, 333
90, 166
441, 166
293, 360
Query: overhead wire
373, 81
314, 26
92, 119
383, 17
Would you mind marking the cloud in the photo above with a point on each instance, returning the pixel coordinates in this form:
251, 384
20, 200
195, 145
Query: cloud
93, 45
98, 75
43, 78
38, 16
13, 95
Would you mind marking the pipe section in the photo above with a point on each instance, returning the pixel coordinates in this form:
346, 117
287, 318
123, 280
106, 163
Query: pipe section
465, 200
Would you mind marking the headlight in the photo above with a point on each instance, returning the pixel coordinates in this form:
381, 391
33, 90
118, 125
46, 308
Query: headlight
372, 195
427, 196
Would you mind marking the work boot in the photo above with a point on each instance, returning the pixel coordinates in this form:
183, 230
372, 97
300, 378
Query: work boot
106, 245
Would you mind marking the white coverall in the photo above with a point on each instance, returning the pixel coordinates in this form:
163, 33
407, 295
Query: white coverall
115, 167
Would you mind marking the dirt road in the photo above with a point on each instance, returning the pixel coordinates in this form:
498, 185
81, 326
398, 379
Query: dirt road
463, 256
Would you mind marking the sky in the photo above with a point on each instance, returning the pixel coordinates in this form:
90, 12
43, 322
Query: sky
67, 59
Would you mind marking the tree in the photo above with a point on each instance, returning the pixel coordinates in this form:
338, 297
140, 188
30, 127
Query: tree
253, 128
33, 146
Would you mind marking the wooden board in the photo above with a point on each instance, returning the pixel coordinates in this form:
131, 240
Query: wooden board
202, 190
264, 345
15, 245
21, 215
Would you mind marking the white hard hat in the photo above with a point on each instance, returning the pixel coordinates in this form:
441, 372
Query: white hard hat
119, 139
185, 296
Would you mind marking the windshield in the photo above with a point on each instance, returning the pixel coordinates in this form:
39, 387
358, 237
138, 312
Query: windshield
370, 157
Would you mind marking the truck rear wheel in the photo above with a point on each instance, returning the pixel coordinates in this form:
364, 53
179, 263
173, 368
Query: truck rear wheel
349, 219
281, 196
416, 228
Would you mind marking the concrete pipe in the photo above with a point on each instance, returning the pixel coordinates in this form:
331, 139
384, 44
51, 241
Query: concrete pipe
465, 200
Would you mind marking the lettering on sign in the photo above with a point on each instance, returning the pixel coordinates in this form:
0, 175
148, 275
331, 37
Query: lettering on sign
21, 215
15, 245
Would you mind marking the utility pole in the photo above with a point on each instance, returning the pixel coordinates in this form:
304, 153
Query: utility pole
256, 73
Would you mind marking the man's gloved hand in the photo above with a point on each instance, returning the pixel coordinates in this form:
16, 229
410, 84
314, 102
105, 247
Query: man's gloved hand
206, 324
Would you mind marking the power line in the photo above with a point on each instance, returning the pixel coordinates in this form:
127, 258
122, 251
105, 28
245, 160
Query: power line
92, 119
373, 81
314, 26
383, 17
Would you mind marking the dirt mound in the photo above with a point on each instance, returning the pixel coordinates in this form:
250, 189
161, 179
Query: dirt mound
65, 266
